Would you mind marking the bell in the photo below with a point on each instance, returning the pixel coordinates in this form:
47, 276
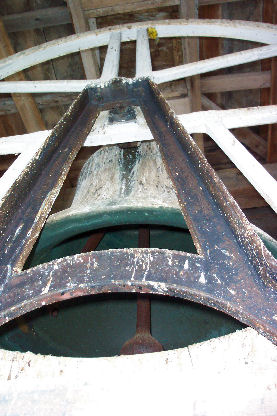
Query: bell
124, 198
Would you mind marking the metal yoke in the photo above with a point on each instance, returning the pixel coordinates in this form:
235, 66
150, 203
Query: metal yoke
232, 272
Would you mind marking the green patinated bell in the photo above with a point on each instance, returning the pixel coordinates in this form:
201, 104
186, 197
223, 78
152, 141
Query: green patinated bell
118, 190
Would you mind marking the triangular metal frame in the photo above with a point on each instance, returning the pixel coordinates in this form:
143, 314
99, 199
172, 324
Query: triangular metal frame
233, 271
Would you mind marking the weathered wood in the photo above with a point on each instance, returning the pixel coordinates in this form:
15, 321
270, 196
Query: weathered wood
89, 58
272, 129
25, 104
252, 140
28, 39
56, 16
264, 218
11, 125
241, 189
119, 6
210, 47
93, 26
35, 19
188, 9
267, 17
236, 82
213, 64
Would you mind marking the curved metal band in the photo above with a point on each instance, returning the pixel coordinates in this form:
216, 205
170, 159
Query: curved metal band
155, 271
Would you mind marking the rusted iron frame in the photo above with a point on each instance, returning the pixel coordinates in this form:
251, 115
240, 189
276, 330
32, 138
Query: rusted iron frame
233, 271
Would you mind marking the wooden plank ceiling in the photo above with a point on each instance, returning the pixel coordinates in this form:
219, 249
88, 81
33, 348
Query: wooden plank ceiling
26, 23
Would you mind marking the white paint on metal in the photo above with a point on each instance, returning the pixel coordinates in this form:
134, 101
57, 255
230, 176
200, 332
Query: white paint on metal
143, 57
111, 64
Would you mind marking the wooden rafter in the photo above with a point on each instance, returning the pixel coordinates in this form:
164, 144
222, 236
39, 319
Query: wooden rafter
25, 104
272, 129
55, 16
89, 57
188, 9
211, 47
269, 96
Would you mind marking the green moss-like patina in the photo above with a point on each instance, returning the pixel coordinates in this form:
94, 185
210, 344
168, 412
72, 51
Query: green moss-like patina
99, 325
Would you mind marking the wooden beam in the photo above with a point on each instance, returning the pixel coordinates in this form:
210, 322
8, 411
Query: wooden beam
35, 19
188, 9
269, 95
119, 6
210, 47
89, 57
243, 192
272, 129
251, 140
25, 103
56, 16
236, 82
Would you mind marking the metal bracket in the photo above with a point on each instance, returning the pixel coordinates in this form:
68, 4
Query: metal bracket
233, 271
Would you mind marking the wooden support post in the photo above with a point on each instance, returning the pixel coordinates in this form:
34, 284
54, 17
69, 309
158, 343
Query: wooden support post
189, 9
272, 129
93, 26
269, 96
89, 57
210, 47
25, 104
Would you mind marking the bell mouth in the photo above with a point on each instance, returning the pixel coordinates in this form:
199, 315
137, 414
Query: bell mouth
98, 325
